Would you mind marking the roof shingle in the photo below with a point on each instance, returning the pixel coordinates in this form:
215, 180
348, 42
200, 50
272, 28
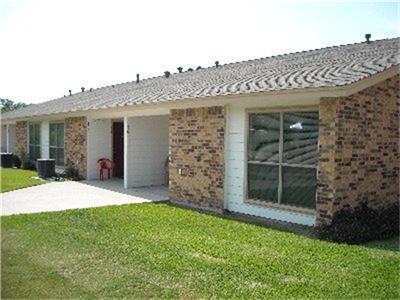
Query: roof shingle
326, 67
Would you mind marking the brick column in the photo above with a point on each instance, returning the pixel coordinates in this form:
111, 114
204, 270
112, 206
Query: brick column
359, 150
75, 144
196, 141
21, 135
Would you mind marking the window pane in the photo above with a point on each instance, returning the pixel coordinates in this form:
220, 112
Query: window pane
263, 182
300, 138
264, 137
57, 143
31, 134
299, 186
31, 154
37, 134
53, 135
38, 154
53, 153
60, 157
34, 152
34, 134
60, 135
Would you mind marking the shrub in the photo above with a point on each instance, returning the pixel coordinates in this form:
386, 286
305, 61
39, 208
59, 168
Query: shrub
16, 161
26, 163
361, 224
71, 173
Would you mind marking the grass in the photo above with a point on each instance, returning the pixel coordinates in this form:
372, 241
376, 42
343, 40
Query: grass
13, 179
159, 251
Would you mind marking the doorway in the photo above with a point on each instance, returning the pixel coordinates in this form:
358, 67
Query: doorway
118, 148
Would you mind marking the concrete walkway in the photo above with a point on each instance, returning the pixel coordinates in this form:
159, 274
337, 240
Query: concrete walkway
57, 196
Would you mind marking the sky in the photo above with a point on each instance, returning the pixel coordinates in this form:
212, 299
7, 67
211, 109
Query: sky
50, 46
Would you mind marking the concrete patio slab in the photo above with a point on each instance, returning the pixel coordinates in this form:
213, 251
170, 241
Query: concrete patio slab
56, 196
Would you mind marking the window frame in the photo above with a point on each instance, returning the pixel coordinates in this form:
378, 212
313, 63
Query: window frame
34, 145
279, 164
56, 147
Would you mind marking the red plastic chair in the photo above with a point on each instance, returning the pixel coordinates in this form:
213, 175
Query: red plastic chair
106, 164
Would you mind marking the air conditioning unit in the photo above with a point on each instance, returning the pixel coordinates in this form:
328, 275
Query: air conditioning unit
46, 167
6, 160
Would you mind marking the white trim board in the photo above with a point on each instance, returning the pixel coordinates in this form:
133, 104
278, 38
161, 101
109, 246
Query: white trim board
275, 214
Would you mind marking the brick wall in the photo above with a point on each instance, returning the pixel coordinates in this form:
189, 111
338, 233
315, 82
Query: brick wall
359, 150
75, 144
21, 135
196, 141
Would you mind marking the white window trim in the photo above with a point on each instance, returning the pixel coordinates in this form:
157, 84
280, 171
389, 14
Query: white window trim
279, 164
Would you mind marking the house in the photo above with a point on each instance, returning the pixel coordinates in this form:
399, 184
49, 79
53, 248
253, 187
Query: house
293, 137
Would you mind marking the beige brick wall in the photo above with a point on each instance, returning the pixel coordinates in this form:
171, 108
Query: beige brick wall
21, 135
359, 150
196, 140
75, 144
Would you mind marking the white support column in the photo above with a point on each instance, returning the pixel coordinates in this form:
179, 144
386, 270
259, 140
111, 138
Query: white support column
88, 144
126, 141
226, 157
45, 140
8, 138
99, 141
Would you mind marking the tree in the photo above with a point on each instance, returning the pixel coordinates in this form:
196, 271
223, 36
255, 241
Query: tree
9, 105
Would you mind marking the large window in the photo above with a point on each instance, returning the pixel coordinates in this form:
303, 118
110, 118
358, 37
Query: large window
57, 143
282, 158
34, 141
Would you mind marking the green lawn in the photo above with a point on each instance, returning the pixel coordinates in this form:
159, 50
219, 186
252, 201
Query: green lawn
13, 179
159, 251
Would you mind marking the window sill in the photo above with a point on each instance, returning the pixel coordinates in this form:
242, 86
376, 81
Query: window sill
294, 209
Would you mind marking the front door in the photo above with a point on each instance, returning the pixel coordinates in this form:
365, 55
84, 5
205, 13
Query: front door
118, 148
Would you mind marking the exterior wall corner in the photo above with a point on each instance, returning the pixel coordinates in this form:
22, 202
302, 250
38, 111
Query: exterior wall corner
359, 150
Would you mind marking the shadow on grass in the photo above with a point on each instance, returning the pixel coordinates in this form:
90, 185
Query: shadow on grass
248, 219
391, 244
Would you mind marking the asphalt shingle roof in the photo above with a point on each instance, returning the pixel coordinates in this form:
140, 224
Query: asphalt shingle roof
326, 67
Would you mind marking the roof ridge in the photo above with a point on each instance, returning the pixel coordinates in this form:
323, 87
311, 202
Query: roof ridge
304, 51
